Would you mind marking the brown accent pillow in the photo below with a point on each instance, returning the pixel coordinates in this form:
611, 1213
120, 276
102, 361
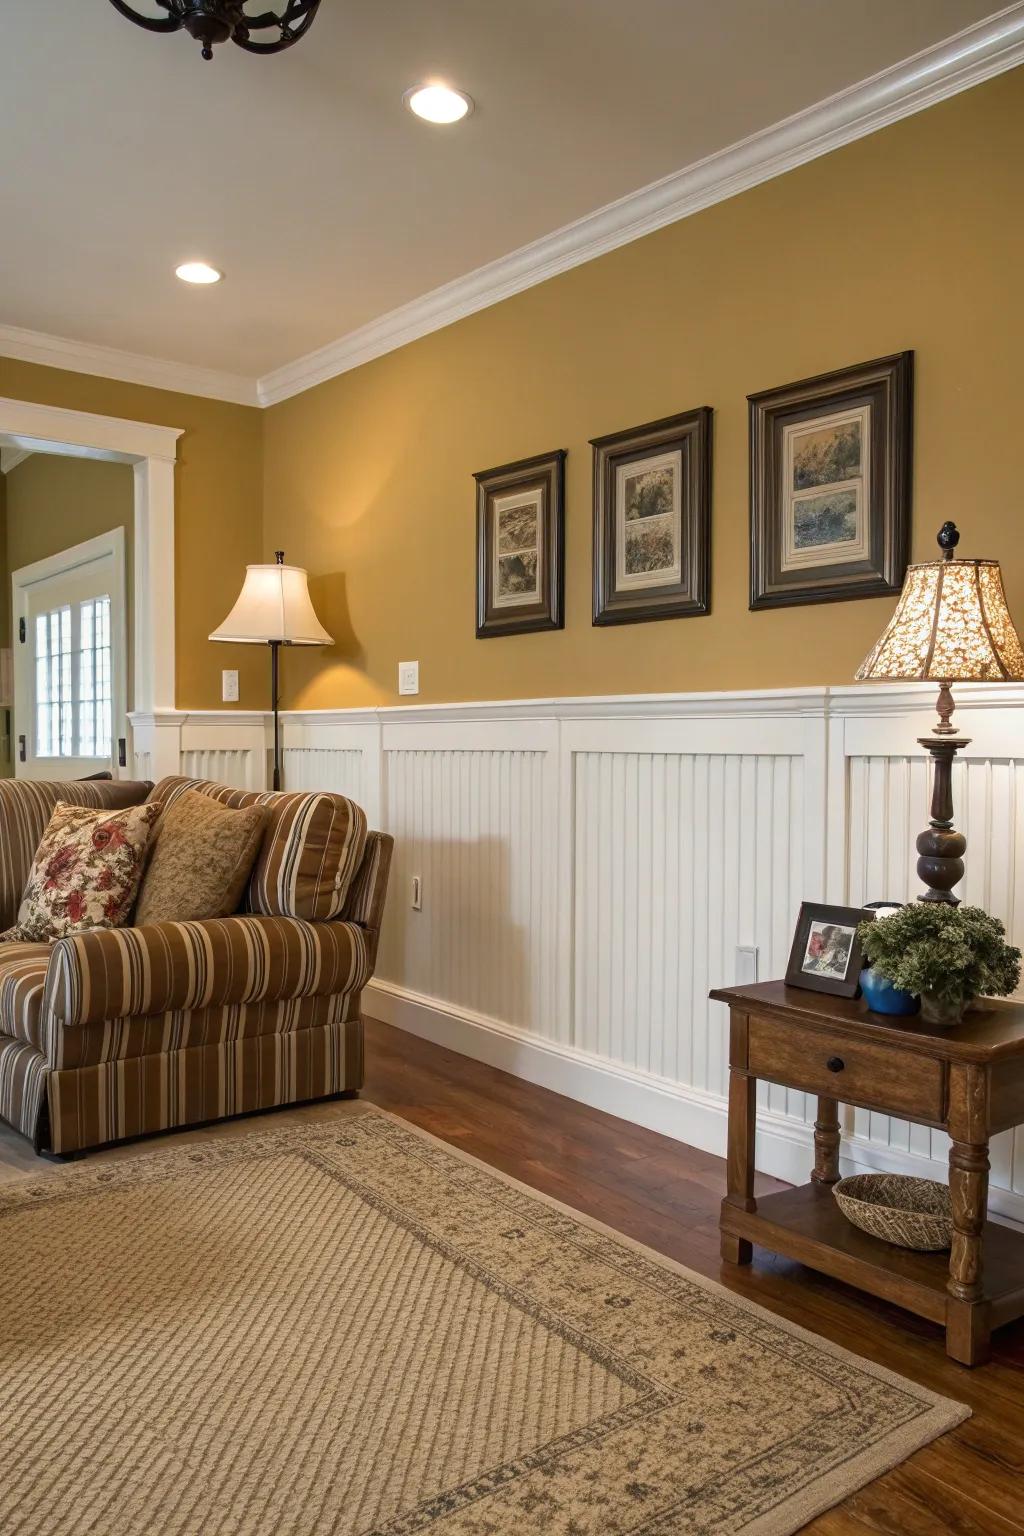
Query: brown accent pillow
85, 873
312, 848
202, 861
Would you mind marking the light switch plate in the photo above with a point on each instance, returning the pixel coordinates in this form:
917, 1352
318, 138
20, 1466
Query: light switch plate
229, 686
408, 677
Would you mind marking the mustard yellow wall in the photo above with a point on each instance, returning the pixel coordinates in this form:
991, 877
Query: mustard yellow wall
912, 238
218, 500
6, 767
54, 502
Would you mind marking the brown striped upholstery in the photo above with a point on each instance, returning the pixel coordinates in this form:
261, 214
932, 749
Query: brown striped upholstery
367, 893
108, 973
23, 1079
312, 847
120, 1032
25, 809
22, 978
183, 1028
89, 1106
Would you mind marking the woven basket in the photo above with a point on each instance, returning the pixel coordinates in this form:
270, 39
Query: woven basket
913, 1213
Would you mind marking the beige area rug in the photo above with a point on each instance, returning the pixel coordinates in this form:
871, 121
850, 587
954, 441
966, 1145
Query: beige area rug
352, 1329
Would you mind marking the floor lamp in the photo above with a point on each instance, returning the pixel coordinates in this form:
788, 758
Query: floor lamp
273, 608
952, 625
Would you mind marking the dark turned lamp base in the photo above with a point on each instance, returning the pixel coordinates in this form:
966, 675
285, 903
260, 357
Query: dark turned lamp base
941, 849
951, 625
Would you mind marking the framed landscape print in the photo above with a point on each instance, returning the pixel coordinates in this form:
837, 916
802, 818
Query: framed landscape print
830, 485
652, 520
520, 546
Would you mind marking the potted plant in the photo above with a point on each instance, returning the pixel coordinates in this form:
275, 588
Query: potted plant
948, 955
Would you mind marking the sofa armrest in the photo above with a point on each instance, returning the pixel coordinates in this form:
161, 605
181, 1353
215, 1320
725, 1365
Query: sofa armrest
365, 902
113, 973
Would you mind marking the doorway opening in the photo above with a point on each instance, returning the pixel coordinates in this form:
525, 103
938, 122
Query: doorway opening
70, 661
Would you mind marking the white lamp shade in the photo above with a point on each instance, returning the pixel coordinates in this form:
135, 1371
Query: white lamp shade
274, 604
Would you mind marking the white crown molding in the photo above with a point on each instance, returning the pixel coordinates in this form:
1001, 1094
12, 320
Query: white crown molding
129, 367
961, 61
967, 59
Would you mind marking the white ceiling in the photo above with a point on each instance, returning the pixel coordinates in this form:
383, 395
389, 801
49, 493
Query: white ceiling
323, 200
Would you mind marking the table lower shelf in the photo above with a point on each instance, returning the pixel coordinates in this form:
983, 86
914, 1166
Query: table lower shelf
806, 1224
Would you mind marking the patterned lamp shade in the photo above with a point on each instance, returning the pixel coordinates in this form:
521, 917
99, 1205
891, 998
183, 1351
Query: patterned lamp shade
951, 625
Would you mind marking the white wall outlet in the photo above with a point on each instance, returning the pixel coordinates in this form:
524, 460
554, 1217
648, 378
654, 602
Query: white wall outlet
408, 677
229, 686
746, 964
417, 894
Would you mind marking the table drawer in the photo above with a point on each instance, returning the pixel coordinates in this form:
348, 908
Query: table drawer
876, 1076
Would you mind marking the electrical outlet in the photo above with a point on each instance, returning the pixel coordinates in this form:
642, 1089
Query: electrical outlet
746, 964
408, 677
417, 894
229, 686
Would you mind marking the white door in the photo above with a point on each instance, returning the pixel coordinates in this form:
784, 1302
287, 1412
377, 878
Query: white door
70, 685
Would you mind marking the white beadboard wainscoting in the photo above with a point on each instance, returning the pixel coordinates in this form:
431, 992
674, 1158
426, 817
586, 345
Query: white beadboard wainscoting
590, 867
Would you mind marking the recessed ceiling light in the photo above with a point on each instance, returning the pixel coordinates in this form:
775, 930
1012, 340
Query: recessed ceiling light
438, 103
197, 272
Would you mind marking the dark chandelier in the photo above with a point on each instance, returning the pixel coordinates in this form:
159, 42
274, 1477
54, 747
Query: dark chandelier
217, 21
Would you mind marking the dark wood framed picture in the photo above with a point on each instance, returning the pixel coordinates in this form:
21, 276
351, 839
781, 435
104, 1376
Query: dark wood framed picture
826, 953
520, 546
830, 473
652, 520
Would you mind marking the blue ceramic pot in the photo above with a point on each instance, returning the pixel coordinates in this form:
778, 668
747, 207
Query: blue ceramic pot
882, 997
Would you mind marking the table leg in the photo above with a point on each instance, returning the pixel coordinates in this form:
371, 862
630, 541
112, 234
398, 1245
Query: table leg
740, 1160
968, 1326
826, 1143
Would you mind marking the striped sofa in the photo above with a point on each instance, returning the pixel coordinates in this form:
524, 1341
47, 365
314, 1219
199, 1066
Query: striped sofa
115, 1033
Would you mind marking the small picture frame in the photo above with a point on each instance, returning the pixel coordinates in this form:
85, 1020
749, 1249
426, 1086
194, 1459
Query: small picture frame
652, 520
826, 954
830, 484
520, 546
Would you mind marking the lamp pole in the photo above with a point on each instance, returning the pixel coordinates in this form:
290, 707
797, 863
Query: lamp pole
275, 647
275, 681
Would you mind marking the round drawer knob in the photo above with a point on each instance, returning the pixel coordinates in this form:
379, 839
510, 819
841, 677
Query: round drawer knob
835, 1063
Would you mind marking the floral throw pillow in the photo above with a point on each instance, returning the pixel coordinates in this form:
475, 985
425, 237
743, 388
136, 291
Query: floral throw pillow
86, 872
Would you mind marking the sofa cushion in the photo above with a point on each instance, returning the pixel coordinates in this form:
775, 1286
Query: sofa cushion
119, 973
26, 806
85, 873
312, 847
202, 861
155, 1034
22, 978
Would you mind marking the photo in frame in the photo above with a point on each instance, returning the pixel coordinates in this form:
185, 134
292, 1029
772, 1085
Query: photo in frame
652, 520
830, 485
520, 546
826, 953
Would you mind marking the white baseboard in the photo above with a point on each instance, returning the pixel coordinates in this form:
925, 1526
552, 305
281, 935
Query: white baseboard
785, 1147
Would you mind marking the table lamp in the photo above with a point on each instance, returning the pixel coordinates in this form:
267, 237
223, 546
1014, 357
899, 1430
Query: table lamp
273, 608
951, 625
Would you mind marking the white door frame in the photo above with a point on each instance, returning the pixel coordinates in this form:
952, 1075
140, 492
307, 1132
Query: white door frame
65, 561
152, 451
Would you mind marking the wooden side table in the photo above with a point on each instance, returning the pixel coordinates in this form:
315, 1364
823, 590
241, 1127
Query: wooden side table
968, 1080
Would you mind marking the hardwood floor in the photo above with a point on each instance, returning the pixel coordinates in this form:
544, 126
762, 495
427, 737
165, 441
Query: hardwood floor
665, 1194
